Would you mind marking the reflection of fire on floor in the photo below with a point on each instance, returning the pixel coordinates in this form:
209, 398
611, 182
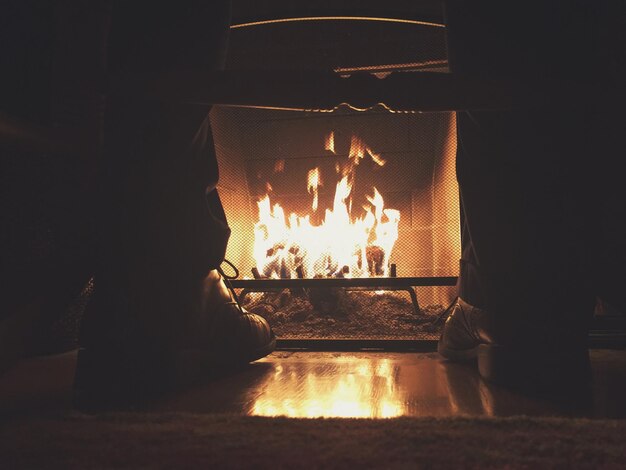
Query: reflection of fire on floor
337, 313
347, 387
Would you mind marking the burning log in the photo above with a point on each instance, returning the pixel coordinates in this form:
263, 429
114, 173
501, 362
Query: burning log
284, 261
284, 272
375, 259
277, 248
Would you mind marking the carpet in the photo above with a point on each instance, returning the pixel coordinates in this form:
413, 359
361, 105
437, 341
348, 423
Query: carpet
158, 440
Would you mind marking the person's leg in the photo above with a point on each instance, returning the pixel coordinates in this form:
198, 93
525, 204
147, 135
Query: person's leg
525, 273
162, 232
525, 241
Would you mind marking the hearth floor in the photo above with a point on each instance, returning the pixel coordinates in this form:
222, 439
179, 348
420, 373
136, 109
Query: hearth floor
341, 384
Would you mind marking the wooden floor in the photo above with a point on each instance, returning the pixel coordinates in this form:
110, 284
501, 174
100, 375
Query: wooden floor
341, 384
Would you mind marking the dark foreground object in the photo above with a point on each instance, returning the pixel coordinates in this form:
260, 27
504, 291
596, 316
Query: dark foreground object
536, 359
222, 336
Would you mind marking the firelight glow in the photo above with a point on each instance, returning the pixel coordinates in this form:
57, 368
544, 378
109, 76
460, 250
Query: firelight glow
330, 142
367, 389
314, 182
342, 244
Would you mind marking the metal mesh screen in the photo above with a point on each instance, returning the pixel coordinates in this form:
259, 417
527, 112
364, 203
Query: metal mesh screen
271, 152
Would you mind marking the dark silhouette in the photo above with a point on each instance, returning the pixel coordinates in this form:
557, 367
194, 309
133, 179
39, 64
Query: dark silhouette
541, 204
160, 301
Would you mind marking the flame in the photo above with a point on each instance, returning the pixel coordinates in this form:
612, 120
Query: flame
330, 142
313, 182
357, 150
377, 158
342, 244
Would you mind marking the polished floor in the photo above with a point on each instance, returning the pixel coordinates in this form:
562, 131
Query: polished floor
386, 385
343, 384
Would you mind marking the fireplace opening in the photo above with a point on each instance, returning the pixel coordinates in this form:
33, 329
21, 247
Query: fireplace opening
345, 222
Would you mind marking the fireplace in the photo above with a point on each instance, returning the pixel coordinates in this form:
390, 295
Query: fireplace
345, 221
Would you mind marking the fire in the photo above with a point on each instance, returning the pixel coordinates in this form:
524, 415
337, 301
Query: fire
342, 244
314, 182
377, 158
330, 142
358, 149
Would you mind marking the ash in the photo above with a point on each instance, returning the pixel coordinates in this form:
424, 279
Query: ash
339, 313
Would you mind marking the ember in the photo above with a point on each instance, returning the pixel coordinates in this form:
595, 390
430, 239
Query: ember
343, 244
336, 313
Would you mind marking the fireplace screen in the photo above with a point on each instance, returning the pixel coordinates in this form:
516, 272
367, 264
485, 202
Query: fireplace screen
345, 223
345, 195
